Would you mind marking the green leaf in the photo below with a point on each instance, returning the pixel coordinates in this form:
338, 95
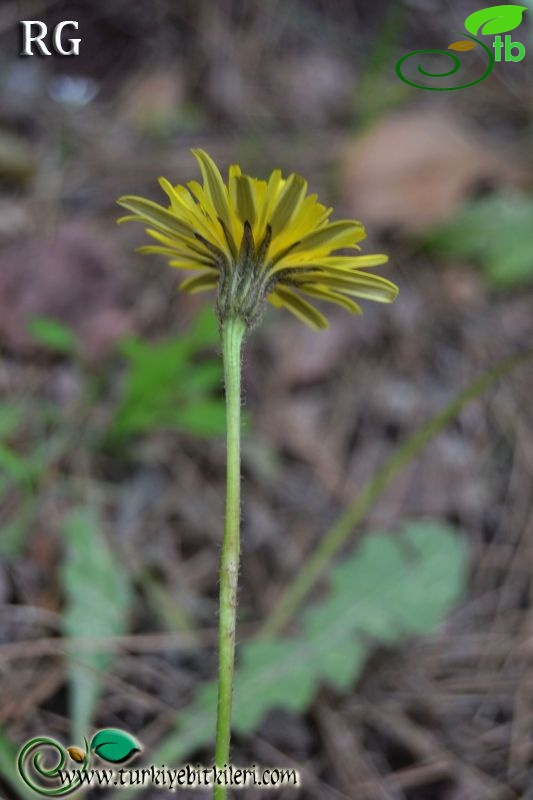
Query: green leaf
97, 595
172, 384
204, 377
16, 467
494, 231
14, 535
53, 334
493, 20
8, 768
389, 589
205, 418
11, 417
114, 745
203, 331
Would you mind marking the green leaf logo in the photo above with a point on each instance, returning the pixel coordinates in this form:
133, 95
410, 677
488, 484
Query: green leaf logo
493, 20
114, 745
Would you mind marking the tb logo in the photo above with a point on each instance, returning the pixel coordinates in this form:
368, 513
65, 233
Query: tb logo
485, 22
35, 32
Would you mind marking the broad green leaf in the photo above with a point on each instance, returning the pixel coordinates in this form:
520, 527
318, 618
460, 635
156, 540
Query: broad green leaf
493, 20
97, 598
504, 254
114, 745
53, 334
391, 588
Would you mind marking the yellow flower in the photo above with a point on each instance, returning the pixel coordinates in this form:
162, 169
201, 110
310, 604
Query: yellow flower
256, 240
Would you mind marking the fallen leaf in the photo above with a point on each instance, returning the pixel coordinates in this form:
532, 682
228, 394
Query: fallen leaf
72, 277
153, 101
17, 160
302, 356
415, 168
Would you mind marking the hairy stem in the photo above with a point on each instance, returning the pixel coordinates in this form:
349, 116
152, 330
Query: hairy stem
232, 337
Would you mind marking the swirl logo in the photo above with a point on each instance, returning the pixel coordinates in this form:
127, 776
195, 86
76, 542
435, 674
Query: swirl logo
55, 779
487, 22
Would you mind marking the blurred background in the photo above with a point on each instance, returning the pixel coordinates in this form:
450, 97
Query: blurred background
111, 405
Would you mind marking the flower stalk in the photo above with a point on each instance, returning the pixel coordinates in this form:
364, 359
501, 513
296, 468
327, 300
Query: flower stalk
254, 242
232, 333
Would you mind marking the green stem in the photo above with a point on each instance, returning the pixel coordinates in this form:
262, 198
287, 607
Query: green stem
338, 535
232, 337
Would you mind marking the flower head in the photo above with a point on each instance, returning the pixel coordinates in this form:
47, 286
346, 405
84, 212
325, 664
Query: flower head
257, 241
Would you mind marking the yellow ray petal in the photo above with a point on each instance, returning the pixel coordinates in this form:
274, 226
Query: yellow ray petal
324, 293
371, 287
191, 258
148, 211
200, 283
214, 185
234, 172
288, 204
245, 200
218, 193
283, 296
183, 204
186, 263
180, 247
354, 262
274, 185
211, 219
344, 233
305, 271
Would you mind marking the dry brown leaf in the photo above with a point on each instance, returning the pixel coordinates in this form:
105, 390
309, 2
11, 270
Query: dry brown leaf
73, 277
152, 100
414, 169
17, 160
302, 356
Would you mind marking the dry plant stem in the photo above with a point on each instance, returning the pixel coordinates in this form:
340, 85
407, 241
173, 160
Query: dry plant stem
338, 535
233, 331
